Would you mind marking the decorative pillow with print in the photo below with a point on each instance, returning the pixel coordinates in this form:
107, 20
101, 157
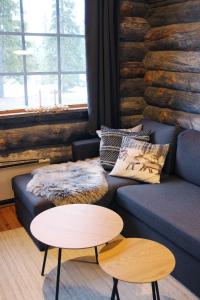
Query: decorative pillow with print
111, 140
134, 129
140, 160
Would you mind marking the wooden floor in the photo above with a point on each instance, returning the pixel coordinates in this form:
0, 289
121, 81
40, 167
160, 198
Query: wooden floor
8, 218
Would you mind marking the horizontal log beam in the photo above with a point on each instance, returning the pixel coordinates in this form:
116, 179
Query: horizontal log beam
132, 106
41, 135
159, 3
132, 87
180, 61
133, 9
184, 12
130, 121
58, 153
131, 51
189, 82
174, 99
28, 119
140, 1
172, 117
132, 70
133, 29
174, 37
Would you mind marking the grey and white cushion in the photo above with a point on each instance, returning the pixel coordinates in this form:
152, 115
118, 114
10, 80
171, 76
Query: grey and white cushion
132, 129
111, 140
140, 160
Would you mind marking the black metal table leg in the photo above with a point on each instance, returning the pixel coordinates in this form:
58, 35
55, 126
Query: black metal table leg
58, 273
117, 293
96, 254
44, 261
157, 290
115, 290
153, 290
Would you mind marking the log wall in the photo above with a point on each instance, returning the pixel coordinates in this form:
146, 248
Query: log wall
172, 64
41, 135
133, 28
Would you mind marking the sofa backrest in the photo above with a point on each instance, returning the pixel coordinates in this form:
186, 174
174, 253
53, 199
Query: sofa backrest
164, 134
188, 156
85, 149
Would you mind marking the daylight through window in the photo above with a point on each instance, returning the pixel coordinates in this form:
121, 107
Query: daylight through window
42, 53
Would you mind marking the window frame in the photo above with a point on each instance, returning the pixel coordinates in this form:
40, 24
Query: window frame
25, 73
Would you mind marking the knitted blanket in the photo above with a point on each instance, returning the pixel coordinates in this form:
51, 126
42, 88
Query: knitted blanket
72, 182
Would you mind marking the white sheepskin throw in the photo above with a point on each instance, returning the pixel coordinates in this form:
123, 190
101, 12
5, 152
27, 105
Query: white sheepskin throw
72, 182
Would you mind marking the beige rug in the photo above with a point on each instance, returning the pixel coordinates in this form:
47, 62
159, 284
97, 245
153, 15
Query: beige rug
20, 265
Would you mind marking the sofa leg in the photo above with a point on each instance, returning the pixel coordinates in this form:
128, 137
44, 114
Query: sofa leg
44, 261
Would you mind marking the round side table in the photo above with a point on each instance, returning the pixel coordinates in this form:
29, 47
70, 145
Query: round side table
75, 226
137, 261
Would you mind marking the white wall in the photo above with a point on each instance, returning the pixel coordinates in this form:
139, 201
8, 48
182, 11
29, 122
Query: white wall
6, 174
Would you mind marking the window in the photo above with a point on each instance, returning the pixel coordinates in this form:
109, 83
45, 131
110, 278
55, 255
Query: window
42, 54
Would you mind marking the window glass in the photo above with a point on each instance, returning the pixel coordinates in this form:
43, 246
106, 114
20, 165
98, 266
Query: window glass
40, 16
73, 54
42, 91
10, 61
11, 92
72, 14
74, 90
42, 54
10, 16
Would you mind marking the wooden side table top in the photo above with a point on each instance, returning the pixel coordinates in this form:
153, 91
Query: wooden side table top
76, 226
136, 260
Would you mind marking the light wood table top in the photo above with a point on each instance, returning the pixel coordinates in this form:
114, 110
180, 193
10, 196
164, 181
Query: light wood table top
136, 260
76, 226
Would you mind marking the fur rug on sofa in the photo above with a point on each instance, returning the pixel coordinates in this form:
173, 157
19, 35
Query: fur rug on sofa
72, 182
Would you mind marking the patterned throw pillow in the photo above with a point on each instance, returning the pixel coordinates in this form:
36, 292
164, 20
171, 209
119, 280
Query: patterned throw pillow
140, 160
111, 140
134, 129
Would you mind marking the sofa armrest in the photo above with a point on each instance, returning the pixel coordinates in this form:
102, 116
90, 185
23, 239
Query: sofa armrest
85, 149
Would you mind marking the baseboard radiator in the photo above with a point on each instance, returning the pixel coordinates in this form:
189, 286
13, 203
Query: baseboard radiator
10, 169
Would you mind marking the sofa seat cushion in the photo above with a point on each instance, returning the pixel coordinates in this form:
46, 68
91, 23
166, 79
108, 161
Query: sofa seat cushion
36, 205
113, 184
171, 208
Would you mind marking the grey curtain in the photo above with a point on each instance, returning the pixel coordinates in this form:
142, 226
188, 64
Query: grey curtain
102, 27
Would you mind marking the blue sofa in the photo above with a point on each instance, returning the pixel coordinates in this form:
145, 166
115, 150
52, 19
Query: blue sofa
168, 212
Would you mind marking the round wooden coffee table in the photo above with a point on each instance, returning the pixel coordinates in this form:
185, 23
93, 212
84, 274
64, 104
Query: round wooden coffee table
138, 261
75, 226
